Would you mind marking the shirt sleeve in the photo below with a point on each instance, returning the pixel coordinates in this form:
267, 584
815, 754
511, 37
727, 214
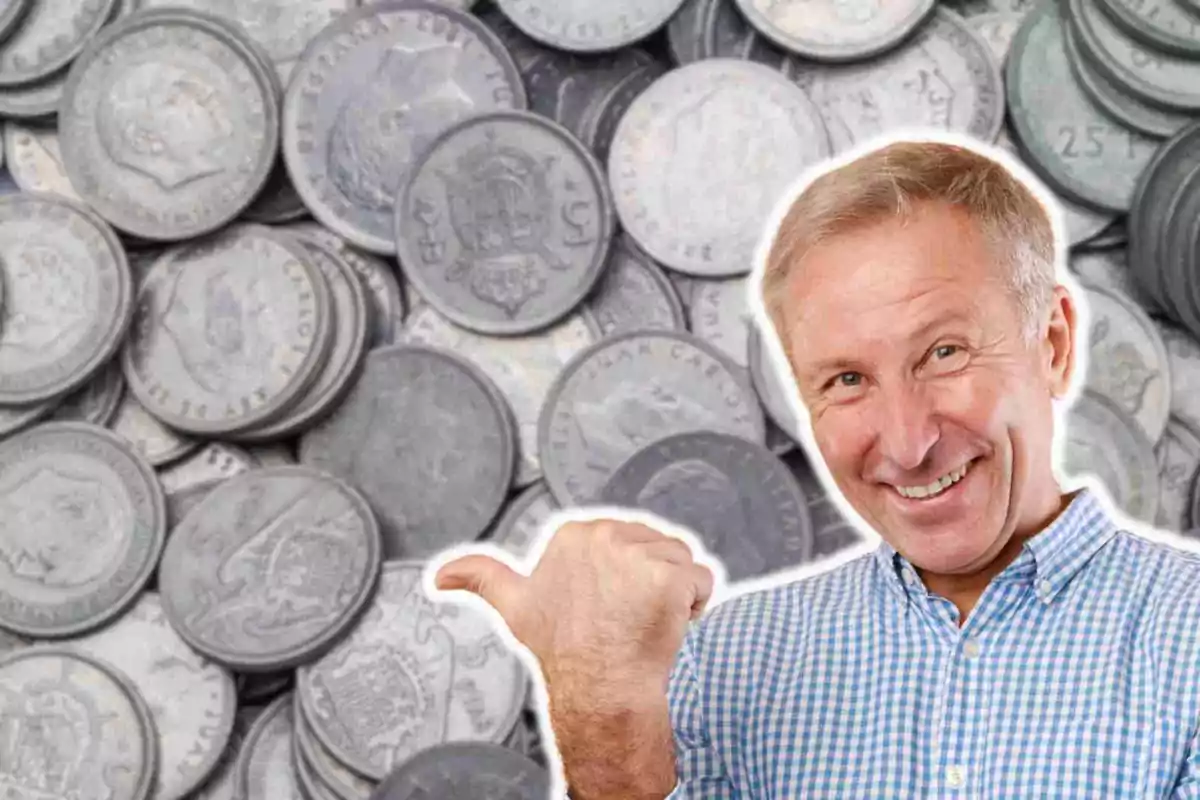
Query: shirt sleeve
1188, 785
701, 774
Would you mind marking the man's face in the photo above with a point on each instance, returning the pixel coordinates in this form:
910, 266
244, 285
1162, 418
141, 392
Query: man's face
908, 351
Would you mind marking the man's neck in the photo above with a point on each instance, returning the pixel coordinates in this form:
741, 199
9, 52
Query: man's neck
964, 591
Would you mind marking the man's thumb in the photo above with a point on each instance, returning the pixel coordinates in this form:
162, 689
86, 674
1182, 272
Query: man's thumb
494, 581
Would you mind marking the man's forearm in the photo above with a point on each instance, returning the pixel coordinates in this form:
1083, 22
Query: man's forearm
620, 750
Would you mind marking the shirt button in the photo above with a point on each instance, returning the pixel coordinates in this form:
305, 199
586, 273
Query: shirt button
1044, 588
910, 577
971, 648
955, 777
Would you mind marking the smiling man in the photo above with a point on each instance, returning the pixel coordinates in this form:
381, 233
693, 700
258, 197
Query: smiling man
1005, 639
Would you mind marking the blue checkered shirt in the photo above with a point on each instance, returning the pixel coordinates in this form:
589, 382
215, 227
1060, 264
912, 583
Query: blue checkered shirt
1077, 675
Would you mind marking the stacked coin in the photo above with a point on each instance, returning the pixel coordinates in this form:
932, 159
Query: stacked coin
295, 294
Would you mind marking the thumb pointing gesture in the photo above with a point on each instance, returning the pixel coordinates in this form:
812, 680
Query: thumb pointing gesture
497, 583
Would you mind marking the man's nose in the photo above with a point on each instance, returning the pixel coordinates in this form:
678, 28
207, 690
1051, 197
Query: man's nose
907, 426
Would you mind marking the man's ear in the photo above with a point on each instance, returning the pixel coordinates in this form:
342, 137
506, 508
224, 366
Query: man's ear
1058, 343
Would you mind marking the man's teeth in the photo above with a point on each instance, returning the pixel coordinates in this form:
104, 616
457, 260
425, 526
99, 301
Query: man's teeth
935, 488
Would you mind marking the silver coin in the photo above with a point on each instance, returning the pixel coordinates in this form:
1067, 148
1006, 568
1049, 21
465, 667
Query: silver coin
152, 440
1150, 74
215, 463
1109, 269
344, 360
629, 390
35, 161
279, 454
603, 116
271, 568
283, 28
1063, 135
82, 523
49, 37
459, 681
278, 202
562, 86
684, 32
76, 729
522, 367
68, 297
1127, 359
229, 331
837, 30
373, 90
522, 520
97, 402
525, 268
400, 438
1161, 24
997, 29
1102, 440
221, 784
944, 77
701, 157
1178, 461
634, 294
462, 769
34, 101
264, 767
523, 49
169, 124
832, 533
192, 701
585, 26
383, 288
776, 391
11, 13
1183, 358
737, 496
15, 418
340, 781
720, 315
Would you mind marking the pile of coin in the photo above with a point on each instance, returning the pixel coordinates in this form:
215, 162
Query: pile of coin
295, 294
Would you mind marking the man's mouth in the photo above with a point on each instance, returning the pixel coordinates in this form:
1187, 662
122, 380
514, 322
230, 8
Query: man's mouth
937, 487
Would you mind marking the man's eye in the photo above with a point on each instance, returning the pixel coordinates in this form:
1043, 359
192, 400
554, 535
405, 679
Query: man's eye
848, 379
946, 350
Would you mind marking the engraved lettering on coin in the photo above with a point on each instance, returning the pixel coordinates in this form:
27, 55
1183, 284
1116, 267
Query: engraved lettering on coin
82, 523
505, 224
192, 701
68, 297
270, 568
522, 367
701, 157
169, 124
373, 90
72, 728
429, 441
630, 390
836, 30
228, 331
411, 675
944, 77
720, 315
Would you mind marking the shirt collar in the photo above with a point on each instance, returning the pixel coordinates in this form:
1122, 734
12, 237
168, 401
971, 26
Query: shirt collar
1048, 560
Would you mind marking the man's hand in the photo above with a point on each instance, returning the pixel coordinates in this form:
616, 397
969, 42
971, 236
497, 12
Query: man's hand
605, 612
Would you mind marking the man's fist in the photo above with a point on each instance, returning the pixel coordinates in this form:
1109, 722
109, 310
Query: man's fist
606, 608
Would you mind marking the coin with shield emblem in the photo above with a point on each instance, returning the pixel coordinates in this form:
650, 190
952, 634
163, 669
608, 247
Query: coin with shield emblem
413, 674
270, 568
75, 728
82, 523
505, 224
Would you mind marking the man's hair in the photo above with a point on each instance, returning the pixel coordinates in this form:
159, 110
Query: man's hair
893, 181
